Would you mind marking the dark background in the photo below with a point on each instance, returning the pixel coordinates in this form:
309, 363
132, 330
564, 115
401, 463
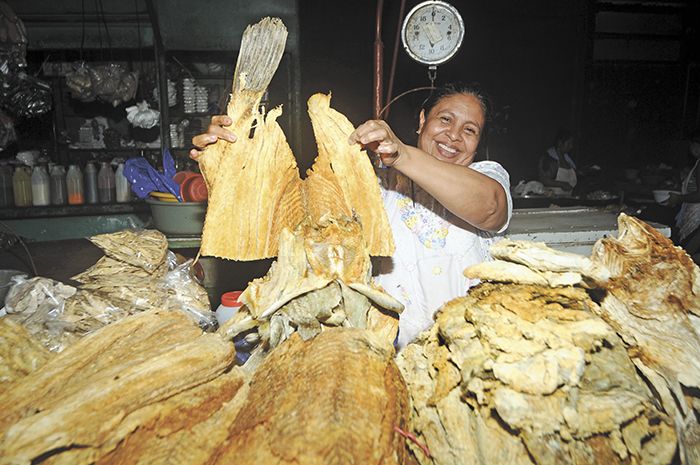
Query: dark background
623, 77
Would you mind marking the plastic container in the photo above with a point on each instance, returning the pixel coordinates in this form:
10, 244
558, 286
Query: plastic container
74, 186
122, 186
91, 194
7, 197
105, 183
41, 187
22, 187
229, 306
178, 218
59, 194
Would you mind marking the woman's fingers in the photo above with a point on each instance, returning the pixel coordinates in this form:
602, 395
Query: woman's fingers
215, 131
221, 120
194, 154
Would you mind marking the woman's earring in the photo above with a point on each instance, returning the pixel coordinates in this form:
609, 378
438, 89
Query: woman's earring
417, 131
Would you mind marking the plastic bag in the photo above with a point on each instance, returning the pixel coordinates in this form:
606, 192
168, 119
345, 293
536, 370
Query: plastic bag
110, 83
113, 84
38, 305
142, 116
145, 179
26, 96
184, 293
80, 83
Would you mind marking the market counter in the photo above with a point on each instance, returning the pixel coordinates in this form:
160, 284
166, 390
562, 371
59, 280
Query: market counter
570, 229
53, 223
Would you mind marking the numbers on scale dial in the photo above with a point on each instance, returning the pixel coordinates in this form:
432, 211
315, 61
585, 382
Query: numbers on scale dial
434, 33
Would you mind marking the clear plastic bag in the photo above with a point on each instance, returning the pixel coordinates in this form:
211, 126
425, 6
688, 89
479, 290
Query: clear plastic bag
184, 293
38, 305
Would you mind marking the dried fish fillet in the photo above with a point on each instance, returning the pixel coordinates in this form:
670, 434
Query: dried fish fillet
256, 193
344, 421
508, 272
353, 171
145, 249
321, 279
538, 257
187, 428
20, 353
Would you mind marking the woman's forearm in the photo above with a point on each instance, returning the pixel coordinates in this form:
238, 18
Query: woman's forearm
474, 197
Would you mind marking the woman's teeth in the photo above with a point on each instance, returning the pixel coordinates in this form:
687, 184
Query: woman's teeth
447, 149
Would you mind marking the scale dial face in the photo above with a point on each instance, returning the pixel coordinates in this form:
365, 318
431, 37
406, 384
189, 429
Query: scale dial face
432, 32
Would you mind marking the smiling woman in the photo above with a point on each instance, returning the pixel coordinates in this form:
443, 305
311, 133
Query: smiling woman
444, 208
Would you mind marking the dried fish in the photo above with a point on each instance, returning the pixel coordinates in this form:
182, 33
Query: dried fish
527, 374
145, 249
20, 353
90, 397
306, 405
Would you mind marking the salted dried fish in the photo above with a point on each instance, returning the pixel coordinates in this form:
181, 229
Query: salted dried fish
111, 374
145, 249
322, 278
539, 257
20, 353
528, 374
653, 292
502, 271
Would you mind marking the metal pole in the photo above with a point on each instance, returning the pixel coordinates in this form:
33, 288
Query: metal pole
378, 59
161, 76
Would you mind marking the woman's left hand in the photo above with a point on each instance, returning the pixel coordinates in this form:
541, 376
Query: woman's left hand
377, 136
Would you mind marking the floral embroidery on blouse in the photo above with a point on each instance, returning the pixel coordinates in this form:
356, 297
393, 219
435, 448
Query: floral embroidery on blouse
431, 229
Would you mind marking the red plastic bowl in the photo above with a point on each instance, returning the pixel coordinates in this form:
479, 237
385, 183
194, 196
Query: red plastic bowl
194, 189
180, 176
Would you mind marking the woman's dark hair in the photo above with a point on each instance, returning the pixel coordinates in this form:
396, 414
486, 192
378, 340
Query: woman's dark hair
456, 88
563, 135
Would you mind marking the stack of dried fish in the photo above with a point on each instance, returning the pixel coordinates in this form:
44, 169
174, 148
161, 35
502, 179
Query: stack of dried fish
523, 370
136, 274
321, 279
653, 302
130, 386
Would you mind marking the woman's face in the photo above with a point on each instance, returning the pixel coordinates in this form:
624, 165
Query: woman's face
452, 129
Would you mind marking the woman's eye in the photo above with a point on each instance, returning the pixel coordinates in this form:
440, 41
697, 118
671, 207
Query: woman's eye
444, 119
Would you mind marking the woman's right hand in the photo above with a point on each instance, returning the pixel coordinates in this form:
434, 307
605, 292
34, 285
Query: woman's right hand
215, 131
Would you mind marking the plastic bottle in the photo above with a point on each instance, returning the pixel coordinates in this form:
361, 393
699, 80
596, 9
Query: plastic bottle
229, 306
74, 186
91, 194
59, 196
105, 183
122, 185
7, 198
22, 187
41, 187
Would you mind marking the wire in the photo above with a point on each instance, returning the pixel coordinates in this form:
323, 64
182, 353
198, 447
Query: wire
22, 243
104, 22
82, 36
402, 94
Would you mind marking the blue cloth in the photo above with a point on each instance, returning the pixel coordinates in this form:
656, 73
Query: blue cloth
145, 179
